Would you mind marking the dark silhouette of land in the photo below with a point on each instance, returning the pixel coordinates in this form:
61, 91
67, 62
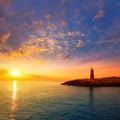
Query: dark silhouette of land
98, 82
94, 82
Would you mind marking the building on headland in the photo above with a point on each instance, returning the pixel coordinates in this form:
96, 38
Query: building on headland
92, 74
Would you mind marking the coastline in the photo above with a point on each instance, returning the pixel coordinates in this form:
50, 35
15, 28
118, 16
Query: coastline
98, 82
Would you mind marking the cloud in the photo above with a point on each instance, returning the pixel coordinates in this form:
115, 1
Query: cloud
83, 35
73, 33
99, 14
112, 33
45, 46
79, 43
39, 23
3, 72
32, 47
4, 3
38, 33
22, 25
4, 38
48, 16
65, 55
63, 1
2, 22
112, 40
68, 34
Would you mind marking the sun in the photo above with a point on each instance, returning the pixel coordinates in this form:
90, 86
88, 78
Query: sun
15, 73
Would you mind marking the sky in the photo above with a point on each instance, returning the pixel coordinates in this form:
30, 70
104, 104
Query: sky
59, 39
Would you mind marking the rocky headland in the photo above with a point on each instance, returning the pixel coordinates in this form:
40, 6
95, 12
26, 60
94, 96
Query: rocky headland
98, 82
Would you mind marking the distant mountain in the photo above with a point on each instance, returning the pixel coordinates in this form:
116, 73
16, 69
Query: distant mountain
99, 82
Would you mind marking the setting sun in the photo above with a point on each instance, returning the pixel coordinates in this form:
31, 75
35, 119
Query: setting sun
15, 73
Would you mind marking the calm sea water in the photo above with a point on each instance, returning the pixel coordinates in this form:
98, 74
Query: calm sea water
52, 101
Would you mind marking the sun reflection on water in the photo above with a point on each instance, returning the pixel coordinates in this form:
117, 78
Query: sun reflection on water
14, 90
13, 101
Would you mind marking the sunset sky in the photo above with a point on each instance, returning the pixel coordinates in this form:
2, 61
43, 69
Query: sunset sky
59, 39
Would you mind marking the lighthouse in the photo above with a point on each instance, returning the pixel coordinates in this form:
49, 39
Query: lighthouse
91, 74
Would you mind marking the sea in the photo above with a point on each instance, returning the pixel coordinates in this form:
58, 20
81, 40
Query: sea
35, 100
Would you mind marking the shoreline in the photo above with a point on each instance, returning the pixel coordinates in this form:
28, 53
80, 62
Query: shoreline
99, 82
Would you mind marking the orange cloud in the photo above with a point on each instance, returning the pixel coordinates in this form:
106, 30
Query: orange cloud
30, 47
79, 43
99, 14
40, 23
5, 37
48, 16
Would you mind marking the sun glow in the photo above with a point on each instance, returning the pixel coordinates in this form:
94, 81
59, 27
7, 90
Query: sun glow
15, 73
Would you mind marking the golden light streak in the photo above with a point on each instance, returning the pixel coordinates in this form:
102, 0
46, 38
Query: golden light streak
14, 90
13, 102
